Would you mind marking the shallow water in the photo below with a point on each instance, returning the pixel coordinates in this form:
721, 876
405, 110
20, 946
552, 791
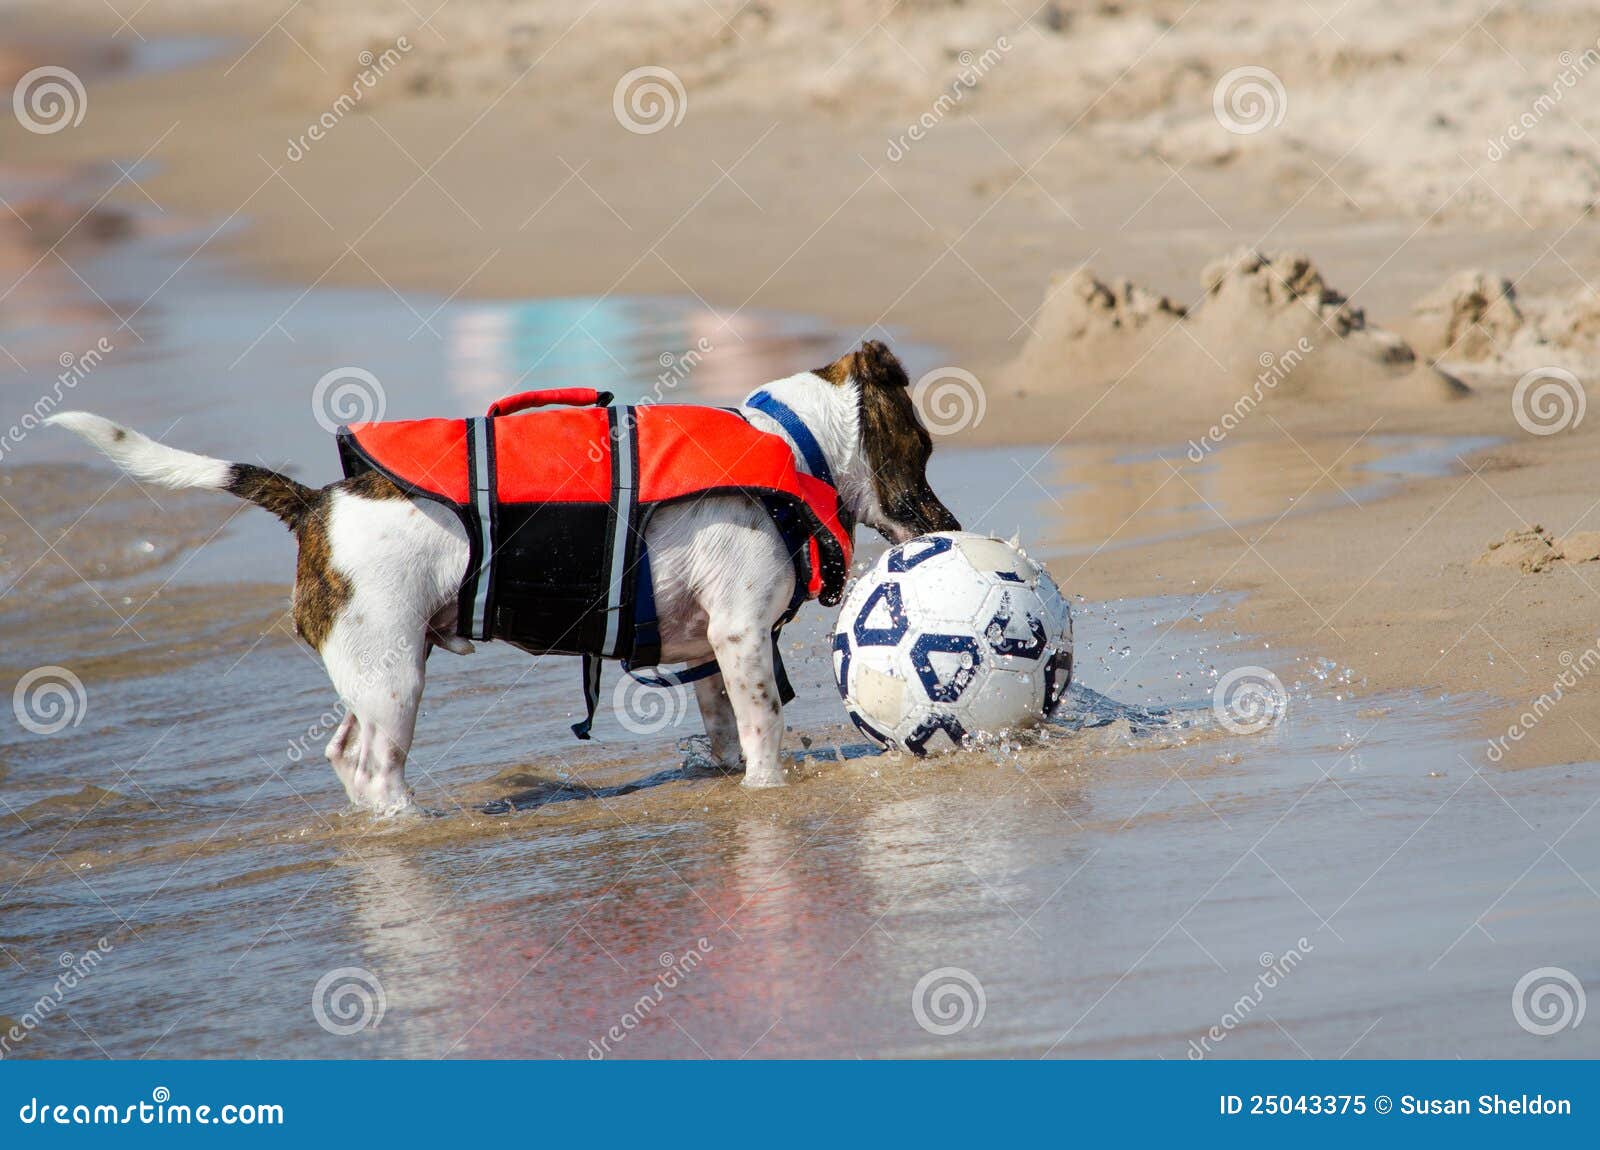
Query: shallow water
1112, 888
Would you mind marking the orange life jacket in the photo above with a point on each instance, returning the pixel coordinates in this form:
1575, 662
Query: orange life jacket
555, 490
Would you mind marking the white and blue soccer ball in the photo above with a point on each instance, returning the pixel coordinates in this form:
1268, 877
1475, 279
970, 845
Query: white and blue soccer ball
948, 638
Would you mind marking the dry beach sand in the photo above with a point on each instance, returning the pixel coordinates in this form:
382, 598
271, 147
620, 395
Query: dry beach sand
1395, 229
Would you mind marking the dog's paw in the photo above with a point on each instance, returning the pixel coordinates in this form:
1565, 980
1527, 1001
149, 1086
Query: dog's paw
772, 778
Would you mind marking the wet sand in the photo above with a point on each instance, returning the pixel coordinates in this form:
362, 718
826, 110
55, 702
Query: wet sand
1115, 888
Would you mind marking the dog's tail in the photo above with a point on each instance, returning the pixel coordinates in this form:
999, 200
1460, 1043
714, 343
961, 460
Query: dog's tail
145, 459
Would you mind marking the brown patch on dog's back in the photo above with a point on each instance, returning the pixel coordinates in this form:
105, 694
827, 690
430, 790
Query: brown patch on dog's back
372, 485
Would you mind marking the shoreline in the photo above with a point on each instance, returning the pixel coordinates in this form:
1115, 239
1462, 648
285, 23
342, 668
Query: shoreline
808, 224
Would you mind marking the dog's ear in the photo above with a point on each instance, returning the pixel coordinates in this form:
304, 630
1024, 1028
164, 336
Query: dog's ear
839, 371
872, 365
877, 366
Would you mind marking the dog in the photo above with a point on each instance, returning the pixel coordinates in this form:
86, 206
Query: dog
380, 572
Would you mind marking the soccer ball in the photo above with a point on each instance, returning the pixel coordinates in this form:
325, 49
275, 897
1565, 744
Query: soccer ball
948, 637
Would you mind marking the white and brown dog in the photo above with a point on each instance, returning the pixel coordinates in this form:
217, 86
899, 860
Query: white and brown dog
379, 571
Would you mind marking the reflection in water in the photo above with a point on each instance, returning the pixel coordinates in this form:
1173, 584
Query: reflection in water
409, 944
1096, 497
641, 349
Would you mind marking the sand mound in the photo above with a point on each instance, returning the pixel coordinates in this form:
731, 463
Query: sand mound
1467, 318
1477, 323
1530, 551
1087, 324
1268, 328
1088, 306
1287, 293
1533, 549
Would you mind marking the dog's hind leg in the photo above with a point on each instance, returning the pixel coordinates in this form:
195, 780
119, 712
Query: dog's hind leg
716, 712
378, 672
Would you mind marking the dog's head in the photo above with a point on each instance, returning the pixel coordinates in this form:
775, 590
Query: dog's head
893, 497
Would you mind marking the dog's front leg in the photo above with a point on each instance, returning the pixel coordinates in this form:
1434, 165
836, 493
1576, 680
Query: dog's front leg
716, 712
745, 654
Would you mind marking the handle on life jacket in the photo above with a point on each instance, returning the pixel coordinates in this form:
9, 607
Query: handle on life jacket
551, 397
